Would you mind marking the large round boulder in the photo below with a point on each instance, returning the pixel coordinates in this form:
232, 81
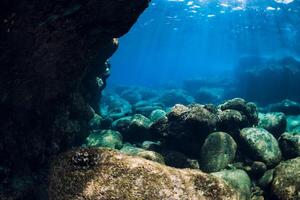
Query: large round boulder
261, 145
106, 174
217, 152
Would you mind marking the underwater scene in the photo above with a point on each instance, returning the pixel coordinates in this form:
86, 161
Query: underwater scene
150, 100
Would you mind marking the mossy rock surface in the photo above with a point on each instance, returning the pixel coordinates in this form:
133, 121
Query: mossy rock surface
290, 144
105, 138
239, 180
217, 152
286, 182
274, 122
261, 145
113, 175
149, 155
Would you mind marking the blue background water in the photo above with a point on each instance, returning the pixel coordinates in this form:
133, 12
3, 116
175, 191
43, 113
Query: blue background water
180, 39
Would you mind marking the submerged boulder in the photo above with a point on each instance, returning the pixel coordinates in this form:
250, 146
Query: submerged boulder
129, 178
217, 152
133, 128
293, 123
185, 128
104, 138
238, 179
157, 114
248, 110
230, 120
261, 145
286, 181
268, 80
286, 106
275, 123
149, 155
290, 144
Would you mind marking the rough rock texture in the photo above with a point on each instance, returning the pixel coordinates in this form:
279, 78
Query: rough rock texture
149, 155
185, 128
133, 128
290, 145
104, 138
112, 175
217, 152
286, 182
53, 66
260, 144
248, 110
237, 179
275, 123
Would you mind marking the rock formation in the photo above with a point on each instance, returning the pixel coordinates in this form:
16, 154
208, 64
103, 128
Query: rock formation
53, 67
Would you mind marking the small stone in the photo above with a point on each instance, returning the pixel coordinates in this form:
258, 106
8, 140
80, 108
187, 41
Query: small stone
258, 168
265, 181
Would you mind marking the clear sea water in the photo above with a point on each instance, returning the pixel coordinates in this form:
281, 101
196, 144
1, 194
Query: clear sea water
175, 40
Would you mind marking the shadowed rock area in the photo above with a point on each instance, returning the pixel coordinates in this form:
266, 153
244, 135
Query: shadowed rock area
53, 68
108, 174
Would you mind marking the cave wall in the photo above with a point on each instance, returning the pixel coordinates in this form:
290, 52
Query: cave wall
53, 66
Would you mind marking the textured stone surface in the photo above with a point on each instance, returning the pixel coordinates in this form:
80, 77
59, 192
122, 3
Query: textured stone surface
275, 123
104, 138
261, 145
237, 179
118, 176
290, 144
53, 66
286, 182
217, 152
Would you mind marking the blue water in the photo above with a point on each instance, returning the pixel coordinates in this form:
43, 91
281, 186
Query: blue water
176, 40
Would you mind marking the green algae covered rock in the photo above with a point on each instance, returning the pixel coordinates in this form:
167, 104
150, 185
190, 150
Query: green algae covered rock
104, 138
133, 128
230, 120
265, 181
113, 175
247, 109
261, 145
275, 122
290, 144
217, 152
157, 114
149, 155
239, 180
286, 182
